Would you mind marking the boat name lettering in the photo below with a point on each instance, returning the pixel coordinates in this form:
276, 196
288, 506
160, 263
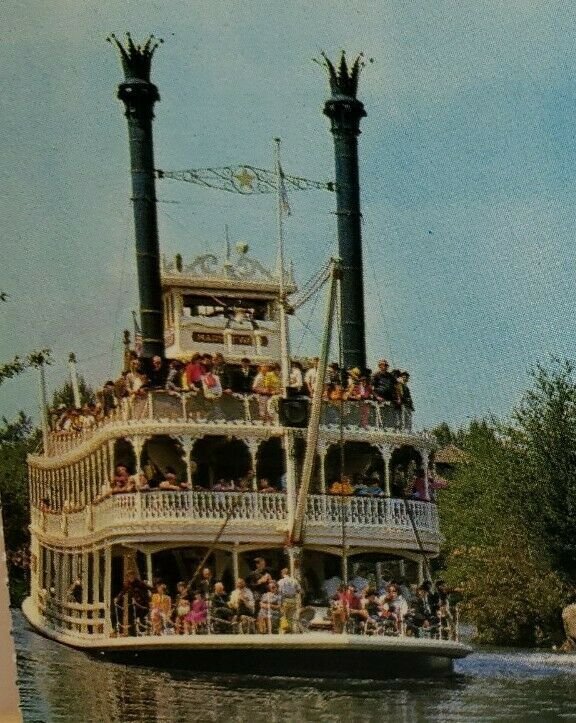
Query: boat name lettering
238, 339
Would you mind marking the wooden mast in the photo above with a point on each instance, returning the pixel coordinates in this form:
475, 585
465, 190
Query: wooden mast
316, 410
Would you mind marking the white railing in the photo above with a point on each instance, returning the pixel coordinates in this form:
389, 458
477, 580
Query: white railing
255, 409
83, 620
372, 512
252, 508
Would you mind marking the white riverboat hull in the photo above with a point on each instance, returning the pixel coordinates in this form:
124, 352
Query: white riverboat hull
310, 655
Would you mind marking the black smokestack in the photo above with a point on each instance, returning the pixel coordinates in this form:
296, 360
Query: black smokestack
345, 112
139, 95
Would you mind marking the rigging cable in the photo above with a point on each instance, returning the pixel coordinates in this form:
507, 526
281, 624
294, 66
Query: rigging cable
307, 327
377, 287
306, 324
121, 291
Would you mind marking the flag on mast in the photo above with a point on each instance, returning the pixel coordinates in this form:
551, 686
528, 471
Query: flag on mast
285, 205
138, 341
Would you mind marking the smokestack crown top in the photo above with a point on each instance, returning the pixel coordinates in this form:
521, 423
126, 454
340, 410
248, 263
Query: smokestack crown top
136, 59
343, 77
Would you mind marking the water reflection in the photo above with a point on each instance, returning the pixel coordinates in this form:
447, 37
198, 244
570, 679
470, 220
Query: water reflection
59, 684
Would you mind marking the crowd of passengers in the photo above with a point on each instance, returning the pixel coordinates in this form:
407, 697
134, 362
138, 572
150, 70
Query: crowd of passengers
208, 378
265, 603
152, 477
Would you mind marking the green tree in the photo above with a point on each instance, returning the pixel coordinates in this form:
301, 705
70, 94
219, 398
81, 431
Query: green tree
64, 395
507, 515
509, 591
544, 439
444, 434
17, 439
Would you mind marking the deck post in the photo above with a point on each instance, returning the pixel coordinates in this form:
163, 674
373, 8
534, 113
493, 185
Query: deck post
425, 460
85, 615
187, 443
95, 576
235, 565
345, 565
386, 453
85, 582
108, 590
149, 569
111, 460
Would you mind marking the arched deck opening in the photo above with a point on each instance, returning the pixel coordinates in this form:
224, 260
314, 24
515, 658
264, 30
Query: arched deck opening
357, 459
124, 454
162, 452
221, 458
405, 463
271, 462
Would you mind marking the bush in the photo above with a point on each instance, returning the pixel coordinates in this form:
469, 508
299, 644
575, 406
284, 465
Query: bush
509, 594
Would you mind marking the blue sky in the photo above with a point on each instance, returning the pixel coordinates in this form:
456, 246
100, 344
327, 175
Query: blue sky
468, 158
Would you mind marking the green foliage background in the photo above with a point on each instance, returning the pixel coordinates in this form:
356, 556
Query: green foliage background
17, 439
509, 515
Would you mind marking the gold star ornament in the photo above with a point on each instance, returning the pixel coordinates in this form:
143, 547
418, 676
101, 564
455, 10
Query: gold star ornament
245, 179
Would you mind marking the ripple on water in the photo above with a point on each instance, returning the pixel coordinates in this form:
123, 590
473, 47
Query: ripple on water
60, 684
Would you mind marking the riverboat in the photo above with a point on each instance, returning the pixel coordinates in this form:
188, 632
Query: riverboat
87, 540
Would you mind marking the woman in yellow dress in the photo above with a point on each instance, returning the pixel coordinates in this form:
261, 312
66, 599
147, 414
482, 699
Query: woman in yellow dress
160, 609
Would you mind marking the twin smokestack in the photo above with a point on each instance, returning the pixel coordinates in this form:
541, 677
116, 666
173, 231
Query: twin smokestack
343, 109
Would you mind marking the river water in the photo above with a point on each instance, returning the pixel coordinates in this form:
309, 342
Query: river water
60, 684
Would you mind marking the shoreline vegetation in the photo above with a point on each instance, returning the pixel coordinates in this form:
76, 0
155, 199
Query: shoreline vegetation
508, 516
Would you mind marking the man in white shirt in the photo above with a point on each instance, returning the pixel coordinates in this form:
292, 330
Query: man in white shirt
310, 377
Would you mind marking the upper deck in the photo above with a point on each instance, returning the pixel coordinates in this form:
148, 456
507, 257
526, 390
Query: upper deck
75, 474
227, 306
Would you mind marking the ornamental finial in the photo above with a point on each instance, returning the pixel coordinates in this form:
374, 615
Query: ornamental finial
136, 59
344, 78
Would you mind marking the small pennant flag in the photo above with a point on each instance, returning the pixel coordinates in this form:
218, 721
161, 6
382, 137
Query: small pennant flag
138, 342
283, 193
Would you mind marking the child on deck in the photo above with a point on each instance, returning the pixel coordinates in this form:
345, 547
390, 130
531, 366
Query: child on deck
198, 613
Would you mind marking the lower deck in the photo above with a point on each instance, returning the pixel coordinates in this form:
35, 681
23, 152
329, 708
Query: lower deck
311, 654
78, 592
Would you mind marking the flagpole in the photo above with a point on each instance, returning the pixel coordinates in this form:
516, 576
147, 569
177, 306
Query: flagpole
137, 336
284, 341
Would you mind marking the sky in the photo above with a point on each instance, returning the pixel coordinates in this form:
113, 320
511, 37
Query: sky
468, 173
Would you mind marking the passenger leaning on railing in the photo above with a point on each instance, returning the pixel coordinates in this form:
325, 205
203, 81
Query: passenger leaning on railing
383, 383
261, 387
170, 481
135, 379
265, 486
342, 487
174, 378
193, 372
418, 485
211, 385
122, 481
241, 379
